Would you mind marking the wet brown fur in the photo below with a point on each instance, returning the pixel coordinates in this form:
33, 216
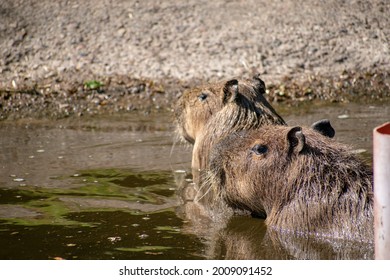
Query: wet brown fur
243, 106
304, 182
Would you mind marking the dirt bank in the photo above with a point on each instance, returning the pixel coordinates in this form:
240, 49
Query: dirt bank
60, 58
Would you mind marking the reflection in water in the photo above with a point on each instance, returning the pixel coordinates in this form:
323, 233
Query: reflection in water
103, 216
101, 235
113, 189
243, 237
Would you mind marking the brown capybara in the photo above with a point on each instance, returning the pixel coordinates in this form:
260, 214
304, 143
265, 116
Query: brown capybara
242, 107
196, 106
303, 181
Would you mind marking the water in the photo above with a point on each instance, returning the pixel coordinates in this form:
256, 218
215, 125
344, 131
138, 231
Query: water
120, 188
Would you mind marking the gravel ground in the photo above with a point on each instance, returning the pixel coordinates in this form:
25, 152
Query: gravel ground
142, 54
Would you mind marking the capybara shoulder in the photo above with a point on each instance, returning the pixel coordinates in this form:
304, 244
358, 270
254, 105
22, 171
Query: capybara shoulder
243, 106
196, 106
302, 180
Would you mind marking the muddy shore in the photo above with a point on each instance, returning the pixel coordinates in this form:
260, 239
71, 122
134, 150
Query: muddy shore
72, 58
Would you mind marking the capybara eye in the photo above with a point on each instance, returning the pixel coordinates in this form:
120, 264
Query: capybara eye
202, 96
260, 149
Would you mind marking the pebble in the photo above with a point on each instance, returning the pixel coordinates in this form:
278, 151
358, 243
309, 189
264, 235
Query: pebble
345, 116
19, 180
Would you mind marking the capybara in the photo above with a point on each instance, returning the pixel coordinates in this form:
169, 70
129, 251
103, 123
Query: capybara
303, 181
196, 106
243, 107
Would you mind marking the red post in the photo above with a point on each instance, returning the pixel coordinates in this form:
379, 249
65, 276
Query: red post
382, 191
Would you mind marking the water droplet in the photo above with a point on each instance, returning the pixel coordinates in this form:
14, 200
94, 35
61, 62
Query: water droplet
114, 238
40, 151
143, 236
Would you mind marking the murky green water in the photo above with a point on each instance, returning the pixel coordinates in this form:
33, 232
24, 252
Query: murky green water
120, 188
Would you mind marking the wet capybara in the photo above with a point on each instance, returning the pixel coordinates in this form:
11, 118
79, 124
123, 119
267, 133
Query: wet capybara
304, 182
196, 106
243, 107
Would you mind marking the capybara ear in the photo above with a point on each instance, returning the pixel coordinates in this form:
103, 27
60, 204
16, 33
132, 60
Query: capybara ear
259, 84
324, 127
230, 91
296, 140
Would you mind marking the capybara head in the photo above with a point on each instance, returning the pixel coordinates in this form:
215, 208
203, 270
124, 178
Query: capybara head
196, 106
243, 106
303, 181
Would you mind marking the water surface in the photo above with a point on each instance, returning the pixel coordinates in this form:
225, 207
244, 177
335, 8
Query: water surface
119, 187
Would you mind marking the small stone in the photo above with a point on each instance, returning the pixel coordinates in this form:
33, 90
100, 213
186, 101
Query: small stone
18, 180
345, 116
121, 32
